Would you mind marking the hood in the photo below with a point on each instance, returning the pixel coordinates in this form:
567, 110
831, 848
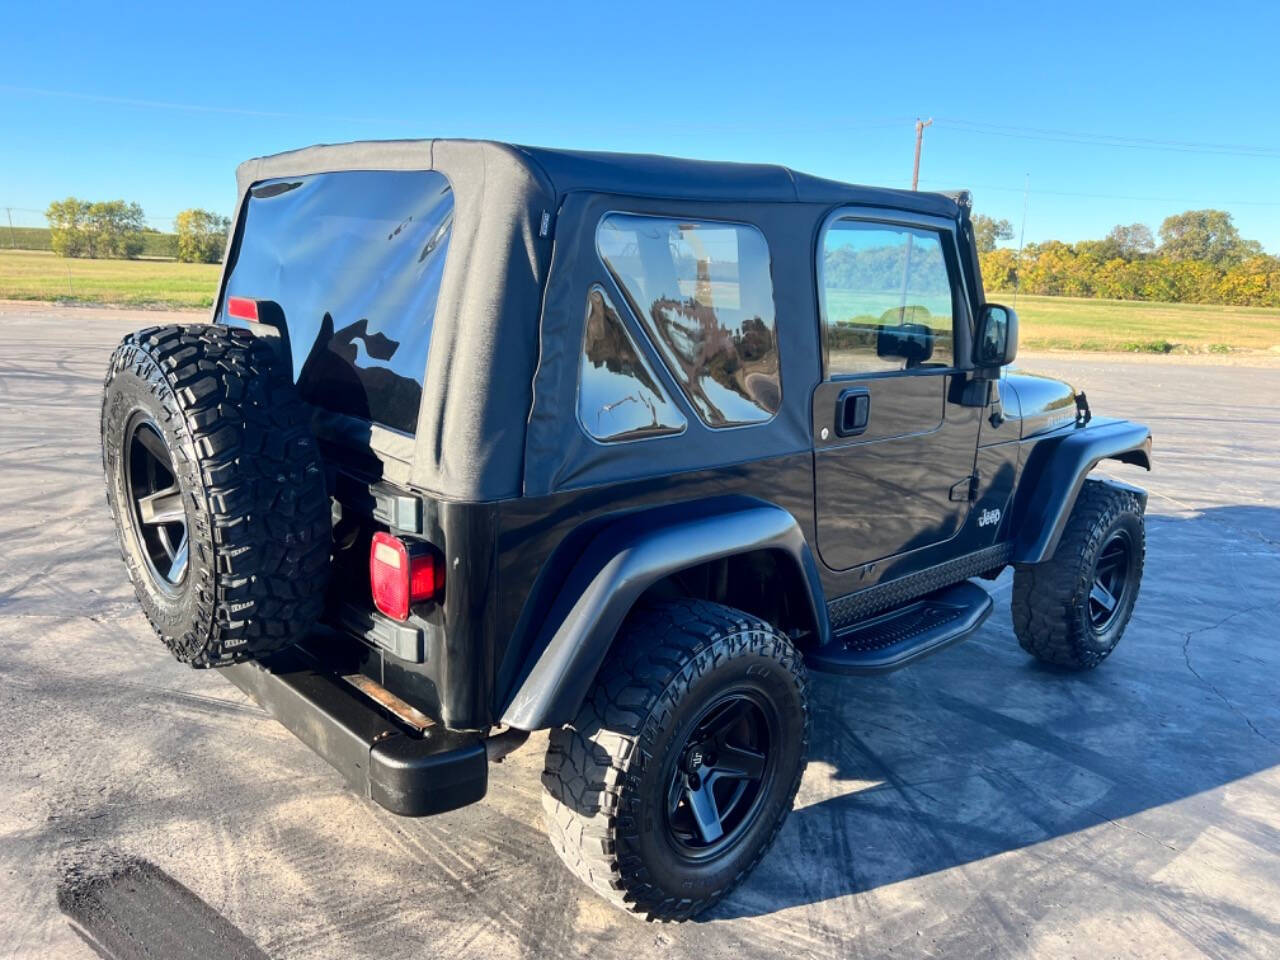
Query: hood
1042, 403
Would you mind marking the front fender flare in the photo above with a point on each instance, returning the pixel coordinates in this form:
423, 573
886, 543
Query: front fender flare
1057, 480
623, 561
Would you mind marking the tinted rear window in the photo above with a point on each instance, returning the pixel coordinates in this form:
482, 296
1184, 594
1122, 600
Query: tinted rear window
351, 262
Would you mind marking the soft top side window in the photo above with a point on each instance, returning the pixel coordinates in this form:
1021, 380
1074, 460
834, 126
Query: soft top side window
619, 397
887, 299
703, 292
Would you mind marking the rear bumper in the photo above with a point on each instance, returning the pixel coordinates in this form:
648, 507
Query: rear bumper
408, 774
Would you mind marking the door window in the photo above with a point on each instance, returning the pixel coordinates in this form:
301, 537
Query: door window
887, 300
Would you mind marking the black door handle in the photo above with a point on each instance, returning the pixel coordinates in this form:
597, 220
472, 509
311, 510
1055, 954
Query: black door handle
853, 411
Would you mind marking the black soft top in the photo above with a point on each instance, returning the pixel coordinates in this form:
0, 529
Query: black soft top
649, 175
631, 174
489, 339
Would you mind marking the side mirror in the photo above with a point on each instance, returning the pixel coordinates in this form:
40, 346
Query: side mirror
996, 343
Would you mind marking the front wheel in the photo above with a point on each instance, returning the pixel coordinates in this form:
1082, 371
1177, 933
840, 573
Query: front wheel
1072, 610
682, 764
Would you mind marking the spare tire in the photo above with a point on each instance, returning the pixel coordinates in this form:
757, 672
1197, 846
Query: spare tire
218, 492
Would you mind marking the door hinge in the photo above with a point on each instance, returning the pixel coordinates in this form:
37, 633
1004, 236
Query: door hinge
965, 490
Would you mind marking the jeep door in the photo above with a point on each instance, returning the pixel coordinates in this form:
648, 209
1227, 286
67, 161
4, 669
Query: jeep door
894, 447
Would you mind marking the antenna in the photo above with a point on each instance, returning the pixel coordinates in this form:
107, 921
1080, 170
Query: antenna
1022, 233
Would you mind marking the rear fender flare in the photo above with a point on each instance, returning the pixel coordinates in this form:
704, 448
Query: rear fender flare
621, 562
1061, 474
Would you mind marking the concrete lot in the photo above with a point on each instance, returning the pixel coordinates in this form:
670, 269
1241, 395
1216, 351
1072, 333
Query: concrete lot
972, 805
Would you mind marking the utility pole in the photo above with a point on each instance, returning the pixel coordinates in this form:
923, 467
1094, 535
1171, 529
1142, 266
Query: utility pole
915, 168
13, 241
1022, 234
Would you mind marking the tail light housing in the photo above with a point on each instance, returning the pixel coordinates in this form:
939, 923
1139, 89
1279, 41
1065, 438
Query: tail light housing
402, 574
242, 308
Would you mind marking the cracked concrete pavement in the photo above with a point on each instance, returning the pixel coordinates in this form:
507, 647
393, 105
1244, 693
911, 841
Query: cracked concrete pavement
975, 804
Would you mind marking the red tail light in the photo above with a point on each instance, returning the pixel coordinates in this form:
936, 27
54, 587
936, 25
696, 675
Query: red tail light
400, 575
243, 308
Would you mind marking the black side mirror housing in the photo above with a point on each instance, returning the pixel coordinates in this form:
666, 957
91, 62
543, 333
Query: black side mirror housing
996, 343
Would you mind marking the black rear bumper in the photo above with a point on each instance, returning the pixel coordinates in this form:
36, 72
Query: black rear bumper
408, 774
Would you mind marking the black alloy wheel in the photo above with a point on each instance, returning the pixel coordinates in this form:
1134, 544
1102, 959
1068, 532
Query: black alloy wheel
1072, 609
1110, 580
155, 498
720, 776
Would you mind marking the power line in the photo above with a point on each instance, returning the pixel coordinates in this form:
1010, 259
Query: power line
186, 107
151, 221
41, 212
974, 126
1108, 140
1113, 196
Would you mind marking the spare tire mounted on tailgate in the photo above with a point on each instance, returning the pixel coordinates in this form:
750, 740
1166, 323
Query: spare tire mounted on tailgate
217, 489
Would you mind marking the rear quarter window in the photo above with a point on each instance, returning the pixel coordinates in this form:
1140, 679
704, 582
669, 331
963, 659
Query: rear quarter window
703, 292
350, 264
619, 397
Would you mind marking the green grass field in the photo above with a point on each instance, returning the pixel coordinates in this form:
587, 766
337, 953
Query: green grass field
24, 238
1067, 323
30, 275
38, 238
1070, 323
1047, 323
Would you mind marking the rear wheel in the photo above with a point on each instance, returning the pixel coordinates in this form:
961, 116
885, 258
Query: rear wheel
681, 766
1073, 609
217, 489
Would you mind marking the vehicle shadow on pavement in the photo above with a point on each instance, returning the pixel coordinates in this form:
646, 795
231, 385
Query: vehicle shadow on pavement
982, 750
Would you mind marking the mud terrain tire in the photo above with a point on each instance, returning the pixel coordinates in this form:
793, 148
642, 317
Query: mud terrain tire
1060, 611
227, 544
677, 674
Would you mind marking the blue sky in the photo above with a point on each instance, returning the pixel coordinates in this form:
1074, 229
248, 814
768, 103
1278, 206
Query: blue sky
1117, 112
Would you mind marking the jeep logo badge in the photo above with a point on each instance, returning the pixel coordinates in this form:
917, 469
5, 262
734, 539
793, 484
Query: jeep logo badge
988, 517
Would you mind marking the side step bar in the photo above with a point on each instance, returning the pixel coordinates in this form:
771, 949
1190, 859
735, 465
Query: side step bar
412, 772
891, 640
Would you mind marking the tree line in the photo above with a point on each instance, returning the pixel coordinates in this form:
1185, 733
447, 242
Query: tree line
881, 268
115, 229
1200, 257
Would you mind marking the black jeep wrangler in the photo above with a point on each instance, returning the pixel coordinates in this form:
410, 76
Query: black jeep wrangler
486, 439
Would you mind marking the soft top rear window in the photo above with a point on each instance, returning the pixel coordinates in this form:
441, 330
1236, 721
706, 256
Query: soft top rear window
349, 264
